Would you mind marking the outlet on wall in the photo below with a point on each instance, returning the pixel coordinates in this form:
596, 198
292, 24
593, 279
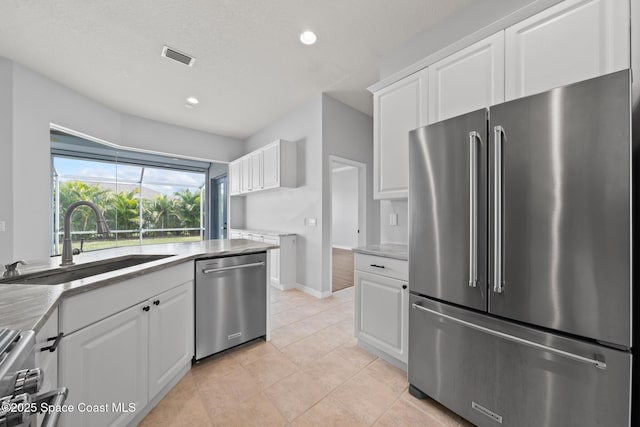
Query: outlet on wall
393, 219
2, 226
312, 222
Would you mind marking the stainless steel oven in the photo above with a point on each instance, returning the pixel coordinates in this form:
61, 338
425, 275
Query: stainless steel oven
20, 382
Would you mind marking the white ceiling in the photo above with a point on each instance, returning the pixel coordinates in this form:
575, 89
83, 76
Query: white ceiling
250, 67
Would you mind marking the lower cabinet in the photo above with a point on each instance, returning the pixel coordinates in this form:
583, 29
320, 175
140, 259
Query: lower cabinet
117, 365
381, 312
106, 363
46, 355
282, 261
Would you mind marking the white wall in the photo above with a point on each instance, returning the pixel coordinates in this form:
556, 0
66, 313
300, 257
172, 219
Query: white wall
37, 102
394, 233
344, 207
288, 209
6, 158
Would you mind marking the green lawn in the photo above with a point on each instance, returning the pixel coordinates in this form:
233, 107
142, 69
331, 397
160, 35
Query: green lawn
104, 244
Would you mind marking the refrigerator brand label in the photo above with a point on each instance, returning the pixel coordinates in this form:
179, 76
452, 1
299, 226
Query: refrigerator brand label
486, 412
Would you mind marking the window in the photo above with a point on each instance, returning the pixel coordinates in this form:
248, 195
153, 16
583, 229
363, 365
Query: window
146, 199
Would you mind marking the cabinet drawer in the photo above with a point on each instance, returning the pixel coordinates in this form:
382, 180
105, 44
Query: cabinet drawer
390, 267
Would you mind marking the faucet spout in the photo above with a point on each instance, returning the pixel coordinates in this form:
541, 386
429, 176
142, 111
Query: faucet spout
101, 228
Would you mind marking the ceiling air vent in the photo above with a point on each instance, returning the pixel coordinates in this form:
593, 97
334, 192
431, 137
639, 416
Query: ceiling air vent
183, 58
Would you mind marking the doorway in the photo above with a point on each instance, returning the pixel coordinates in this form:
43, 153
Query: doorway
219, 207
348, 180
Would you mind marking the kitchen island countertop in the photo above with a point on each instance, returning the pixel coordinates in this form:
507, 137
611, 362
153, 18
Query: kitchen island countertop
27, 307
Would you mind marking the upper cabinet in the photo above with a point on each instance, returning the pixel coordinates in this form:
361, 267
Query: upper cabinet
272, 166
467, 80
397, 109
572, 41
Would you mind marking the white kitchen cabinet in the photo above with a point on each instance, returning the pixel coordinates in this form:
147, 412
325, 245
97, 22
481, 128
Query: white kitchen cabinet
114, 352
572, 41
270, 167
235, 177
397, 109
170, 335
282, 261
257, 172
106, 362
381, 307
467, 80
246, 184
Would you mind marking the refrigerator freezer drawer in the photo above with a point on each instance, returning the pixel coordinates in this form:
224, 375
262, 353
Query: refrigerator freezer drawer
493, 372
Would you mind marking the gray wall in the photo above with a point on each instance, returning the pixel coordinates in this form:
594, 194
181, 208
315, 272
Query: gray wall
394, 233
288, 209
347, 133
38, 102
6, 158
321, 127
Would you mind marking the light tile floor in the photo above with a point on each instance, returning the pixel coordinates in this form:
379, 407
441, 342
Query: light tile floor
312, 373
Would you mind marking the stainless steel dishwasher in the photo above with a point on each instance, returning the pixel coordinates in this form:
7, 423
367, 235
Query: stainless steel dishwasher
231, 302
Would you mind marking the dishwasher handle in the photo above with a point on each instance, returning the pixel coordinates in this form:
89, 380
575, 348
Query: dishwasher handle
232, 267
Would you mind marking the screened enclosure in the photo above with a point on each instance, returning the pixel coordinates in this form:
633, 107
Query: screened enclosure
146, 199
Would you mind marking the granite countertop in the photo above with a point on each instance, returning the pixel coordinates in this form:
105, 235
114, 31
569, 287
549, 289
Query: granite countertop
29, 306
271, 233
389, 250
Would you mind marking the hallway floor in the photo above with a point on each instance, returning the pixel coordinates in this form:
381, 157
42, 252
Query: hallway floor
311, 374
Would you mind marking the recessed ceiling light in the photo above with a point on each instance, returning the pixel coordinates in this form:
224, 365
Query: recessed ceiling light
193, 100
308, 37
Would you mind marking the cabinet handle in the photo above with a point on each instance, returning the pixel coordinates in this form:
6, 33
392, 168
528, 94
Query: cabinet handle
145, 308
54, 346
156, 302
376, 265
404, 286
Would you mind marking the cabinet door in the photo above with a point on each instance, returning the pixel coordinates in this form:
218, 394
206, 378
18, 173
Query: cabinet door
271, 166
246, 184
468, 80
256, 170
235, 184
397, 109
381, 316
572, 41
274, 260
170, 335
106, 363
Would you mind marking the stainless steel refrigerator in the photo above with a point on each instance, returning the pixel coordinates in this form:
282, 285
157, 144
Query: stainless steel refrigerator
520, 259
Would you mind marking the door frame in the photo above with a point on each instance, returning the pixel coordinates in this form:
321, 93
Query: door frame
362, 207
214, 200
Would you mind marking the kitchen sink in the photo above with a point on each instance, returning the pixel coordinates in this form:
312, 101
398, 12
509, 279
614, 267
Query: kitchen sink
76, 272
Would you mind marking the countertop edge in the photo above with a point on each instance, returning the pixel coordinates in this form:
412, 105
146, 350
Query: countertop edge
56, 293
386, 253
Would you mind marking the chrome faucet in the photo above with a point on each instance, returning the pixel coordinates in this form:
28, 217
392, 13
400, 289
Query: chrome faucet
101, 228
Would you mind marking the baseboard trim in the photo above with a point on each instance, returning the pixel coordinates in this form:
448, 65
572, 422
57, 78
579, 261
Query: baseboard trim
282, 287
313, 292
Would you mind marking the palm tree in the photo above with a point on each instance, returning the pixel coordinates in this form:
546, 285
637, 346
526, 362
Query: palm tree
125, 205
187, 208
74, 191
159, 210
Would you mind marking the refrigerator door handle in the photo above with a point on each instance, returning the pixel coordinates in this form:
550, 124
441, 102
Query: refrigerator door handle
474, 140
498, 285
597, 362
